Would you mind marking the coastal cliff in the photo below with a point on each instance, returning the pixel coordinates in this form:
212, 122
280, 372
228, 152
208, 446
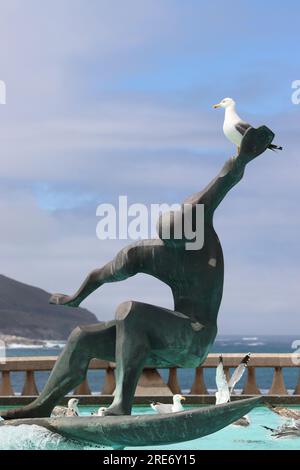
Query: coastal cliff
25, 312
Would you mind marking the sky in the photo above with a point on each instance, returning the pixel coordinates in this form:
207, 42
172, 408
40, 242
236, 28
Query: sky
108, 98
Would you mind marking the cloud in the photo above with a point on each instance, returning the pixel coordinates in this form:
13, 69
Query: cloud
115, 99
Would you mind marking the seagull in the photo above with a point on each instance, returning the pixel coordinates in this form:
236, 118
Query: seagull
100, 411
234, 127
163, 408
286, 430
225, 388
284, 412
244, 421
71, 410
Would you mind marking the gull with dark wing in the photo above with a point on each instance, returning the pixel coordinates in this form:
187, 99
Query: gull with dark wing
225, 388
286, 430
174, 407
70, 410
234, 127
284, 412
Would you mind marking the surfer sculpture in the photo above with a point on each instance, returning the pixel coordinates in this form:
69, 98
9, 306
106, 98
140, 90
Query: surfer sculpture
144, 334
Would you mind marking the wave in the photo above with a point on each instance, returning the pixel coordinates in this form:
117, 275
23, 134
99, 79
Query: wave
250, 338
33, 437
24, 346
55, 344
46, 345
256, 344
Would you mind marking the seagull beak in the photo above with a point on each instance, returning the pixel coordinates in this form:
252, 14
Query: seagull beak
182, 398
217, 106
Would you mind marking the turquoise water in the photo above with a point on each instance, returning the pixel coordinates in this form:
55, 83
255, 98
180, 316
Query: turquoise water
231, 437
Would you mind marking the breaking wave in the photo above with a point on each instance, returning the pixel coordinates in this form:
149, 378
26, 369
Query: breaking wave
25, 437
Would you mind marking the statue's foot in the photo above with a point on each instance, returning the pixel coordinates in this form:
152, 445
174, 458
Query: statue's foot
115, 411
61, 299
25, 412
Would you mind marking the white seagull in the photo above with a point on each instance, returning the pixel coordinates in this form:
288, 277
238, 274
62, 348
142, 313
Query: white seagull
71, 410
286, 430
163, 408
100, 411
285, 412
234, 127
225, 388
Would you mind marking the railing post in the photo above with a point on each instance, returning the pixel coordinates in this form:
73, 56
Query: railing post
173, 381
297, 389
30, 388
83, 388
151, 384
278, 385
109, 382
251, 387
199, 387
227, 373
6, 387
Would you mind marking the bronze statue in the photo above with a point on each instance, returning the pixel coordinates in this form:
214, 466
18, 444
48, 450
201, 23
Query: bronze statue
143, 334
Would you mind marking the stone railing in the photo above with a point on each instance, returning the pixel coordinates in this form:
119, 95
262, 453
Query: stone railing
151, 382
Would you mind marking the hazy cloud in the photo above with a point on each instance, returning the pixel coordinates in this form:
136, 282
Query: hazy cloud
107, 98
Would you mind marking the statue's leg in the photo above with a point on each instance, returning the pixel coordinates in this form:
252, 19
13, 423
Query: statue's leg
146, 332
132, 348
84, 344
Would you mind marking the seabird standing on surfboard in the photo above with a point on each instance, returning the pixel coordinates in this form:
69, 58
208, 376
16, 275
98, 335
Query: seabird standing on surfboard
234, 127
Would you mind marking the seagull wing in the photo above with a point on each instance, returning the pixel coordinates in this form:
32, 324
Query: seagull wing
238, 372
223, 395
59, 411
244, 421
284, 412
297, 424
71, 413
292, 414
242, 127
162, 408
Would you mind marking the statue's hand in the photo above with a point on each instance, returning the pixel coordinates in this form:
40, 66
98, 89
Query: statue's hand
61, 299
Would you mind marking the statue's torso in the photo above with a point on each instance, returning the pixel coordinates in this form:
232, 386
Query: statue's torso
195, 277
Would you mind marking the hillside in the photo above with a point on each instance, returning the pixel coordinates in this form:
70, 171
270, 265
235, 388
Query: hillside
25, 311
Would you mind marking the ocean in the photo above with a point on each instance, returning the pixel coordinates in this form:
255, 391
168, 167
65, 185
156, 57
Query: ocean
223, 344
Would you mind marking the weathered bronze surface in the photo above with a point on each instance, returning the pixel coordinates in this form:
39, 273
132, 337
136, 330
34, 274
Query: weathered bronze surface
145, 430
145, 334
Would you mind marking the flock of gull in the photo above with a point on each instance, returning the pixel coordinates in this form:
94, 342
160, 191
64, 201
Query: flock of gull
225, 389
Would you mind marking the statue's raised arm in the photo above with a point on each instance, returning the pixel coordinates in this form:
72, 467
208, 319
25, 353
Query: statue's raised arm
123, 266
254, 143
